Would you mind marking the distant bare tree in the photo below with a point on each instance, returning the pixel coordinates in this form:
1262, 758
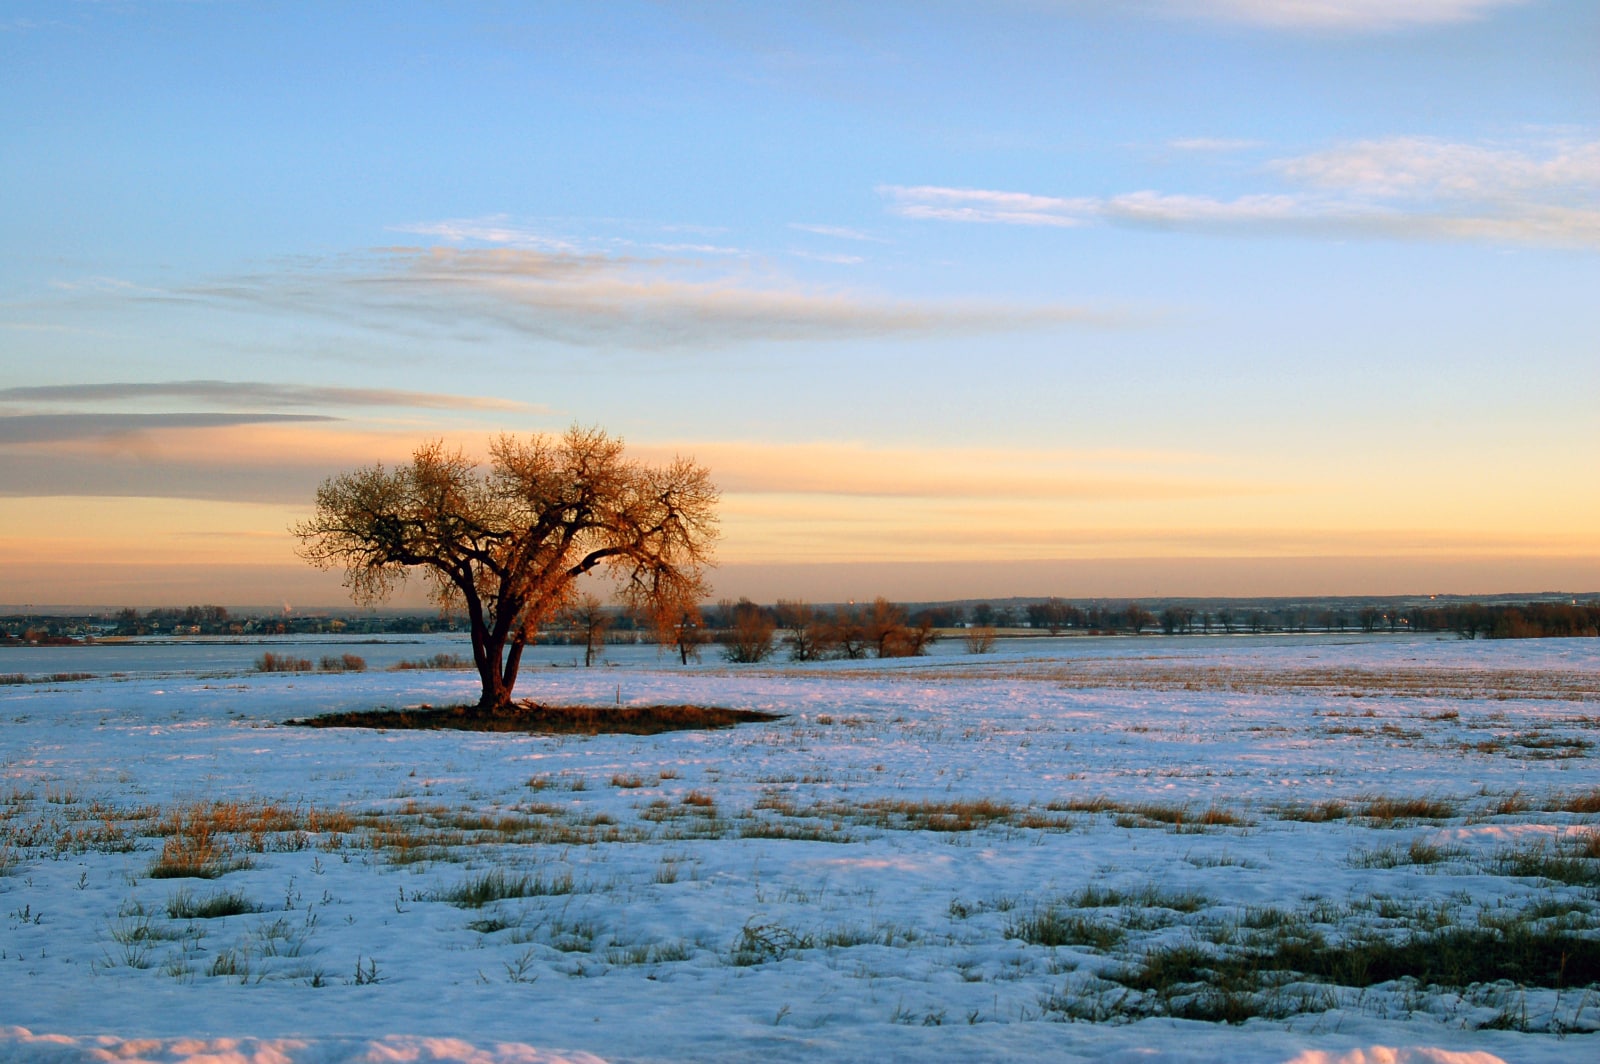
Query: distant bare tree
882, 625
806, 638
749, 637
846, 632
587, 617
689, 634
885, 629
979, 639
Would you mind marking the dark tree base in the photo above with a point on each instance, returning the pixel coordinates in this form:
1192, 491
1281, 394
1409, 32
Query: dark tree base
543, 720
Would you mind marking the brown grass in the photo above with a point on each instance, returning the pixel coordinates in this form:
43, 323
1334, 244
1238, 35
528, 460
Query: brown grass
1386, 809
545, 720
208, 839
1582, 802
1172, 674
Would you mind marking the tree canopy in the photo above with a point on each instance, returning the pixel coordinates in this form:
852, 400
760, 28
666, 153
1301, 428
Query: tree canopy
507, 545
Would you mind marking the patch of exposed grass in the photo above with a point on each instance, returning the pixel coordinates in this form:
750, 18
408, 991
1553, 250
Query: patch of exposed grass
1418, 852
477, 891
185, 906
1574, 861
205, 840
1097, 804
1389, 811
762, 943
1582, 802
959, 814
1053, 926
545, 720
17, 678
1319, 813
1181, 818
1149, 896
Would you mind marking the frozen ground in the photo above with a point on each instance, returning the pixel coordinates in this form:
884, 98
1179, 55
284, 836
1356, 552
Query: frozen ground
1063, 851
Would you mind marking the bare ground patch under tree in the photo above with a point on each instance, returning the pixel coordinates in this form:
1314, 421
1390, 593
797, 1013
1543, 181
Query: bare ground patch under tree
547, 720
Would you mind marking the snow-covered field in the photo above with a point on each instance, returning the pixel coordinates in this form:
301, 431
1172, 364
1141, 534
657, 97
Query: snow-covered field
1066, 850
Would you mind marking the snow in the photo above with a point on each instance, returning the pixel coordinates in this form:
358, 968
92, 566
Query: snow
696, 933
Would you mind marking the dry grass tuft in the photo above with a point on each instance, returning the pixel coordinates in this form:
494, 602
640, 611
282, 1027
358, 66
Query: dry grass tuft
205, 840
1387, 811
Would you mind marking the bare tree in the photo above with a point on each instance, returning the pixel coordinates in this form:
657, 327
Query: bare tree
806, 637
883, 623
507, 545
845, 632
749, 637
885, 629
689, 634
589, 619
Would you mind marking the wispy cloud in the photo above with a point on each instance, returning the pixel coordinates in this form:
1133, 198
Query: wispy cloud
842, 232
496, 229
1212, 144
1397, 187
837, 260
1424, 167
1339, 15
986, 205
502, 231
254, 393
607, 301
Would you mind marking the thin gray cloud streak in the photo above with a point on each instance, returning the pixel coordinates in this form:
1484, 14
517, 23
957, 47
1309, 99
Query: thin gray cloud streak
253, 393
60, 428
42, 474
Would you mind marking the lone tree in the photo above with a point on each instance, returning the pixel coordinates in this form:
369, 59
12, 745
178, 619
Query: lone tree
507, 546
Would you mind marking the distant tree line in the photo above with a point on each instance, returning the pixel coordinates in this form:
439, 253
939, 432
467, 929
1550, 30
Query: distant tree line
1534, 620
746, 631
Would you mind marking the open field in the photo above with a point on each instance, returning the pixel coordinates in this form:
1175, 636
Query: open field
1139, 849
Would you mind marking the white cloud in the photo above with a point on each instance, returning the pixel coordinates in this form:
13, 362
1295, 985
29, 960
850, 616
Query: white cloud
1422, 167
495, 229
985, 205
842, 232
1397, 187
499, 230
1212, 144
1153, 208
1340, 15
837, 260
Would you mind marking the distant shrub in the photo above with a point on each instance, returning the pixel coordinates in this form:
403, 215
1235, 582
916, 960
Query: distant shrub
979, 639
270, 662
9, 678
437, 661
344, 663
749, 639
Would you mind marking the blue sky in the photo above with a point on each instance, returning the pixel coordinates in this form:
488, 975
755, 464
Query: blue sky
1069, 297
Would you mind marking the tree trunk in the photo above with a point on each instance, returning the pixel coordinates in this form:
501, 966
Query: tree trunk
487, 650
